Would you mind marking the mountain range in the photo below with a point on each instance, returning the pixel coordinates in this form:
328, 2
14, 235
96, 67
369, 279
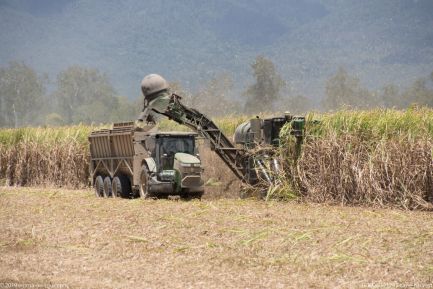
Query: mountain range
191, 41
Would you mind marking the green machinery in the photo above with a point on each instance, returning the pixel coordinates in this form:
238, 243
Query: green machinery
128, 161
244, 159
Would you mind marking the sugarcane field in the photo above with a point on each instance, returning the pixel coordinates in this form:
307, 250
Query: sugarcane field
226, 144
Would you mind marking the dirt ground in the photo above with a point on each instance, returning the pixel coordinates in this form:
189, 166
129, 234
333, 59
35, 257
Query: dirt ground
52, 238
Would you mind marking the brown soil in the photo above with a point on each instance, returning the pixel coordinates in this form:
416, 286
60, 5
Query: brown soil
55, 237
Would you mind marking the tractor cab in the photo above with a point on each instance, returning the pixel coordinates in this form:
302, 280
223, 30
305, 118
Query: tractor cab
168, 145
172, 164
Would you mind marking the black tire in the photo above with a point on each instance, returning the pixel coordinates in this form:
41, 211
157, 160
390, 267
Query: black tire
99, 186
116, 187
196, 195
188, 196
107, 187
143, 187
121, 187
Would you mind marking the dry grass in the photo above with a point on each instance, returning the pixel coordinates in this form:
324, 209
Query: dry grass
372, 158
45, 156
30, 164
344, 170
74, 238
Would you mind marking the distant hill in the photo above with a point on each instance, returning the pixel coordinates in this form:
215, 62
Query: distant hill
190, 41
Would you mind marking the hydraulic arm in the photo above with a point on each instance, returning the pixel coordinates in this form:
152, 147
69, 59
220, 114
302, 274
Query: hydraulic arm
235, 158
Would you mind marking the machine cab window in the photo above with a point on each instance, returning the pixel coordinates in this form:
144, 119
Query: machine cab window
170, 145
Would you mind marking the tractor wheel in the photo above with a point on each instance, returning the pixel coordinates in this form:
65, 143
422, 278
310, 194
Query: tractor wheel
99, 186
195, 196
121, 187
188, 196
144, 183
107, 187
192, 196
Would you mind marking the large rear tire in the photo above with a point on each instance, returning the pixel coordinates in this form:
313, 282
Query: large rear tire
144, 183
121, 187
107, 187
99, 186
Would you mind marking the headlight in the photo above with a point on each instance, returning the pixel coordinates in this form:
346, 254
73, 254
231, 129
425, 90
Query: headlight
197, 165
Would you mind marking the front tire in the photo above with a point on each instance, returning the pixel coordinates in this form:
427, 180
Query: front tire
144, 183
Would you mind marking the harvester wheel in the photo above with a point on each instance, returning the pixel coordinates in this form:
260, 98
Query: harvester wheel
144, 183
121, 187
107, 187
99, 186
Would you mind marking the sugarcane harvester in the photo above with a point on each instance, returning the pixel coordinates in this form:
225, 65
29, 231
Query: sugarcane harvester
251, 158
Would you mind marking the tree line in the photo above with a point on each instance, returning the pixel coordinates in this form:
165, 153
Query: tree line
270, 92
85, 95
82, 95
